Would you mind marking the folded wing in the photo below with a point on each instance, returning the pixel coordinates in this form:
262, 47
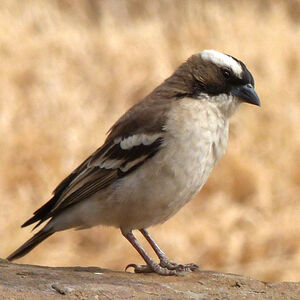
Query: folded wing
126, 148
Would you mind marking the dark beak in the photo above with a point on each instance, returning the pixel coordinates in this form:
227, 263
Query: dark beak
246, 93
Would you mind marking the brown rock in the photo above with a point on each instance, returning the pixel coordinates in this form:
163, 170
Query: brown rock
36, 282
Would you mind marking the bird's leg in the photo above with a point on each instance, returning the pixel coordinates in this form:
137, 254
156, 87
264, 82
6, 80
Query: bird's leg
151, 265
164, 261
161, 255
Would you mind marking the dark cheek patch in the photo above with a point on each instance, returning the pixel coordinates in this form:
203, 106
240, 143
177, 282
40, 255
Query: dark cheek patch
210, 89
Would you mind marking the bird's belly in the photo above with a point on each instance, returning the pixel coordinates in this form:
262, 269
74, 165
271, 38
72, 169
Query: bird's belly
170, 179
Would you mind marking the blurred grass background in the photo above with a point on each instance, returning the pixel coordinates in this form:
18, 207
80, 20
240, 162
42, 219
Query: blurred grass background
70, 68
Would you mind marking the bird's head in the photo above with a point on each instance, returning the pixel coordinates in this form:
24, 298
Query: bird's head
212, 76
222, 79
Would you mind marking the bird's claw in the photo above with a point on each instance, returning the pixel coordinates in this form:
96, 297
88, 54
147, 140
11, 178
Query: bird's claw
178, 267
155, 268
140, 268
164, 268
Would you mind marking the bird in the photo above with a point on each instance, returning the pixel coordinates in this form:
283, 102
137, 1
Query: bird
155, 159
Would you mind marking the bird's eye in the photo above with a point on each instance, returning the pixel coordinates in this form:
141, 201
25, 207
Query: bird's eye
226, 73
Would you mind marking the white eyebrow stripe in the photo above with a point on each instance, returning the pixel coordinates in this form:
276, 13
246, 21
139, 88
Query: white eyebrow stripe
222, 60
139, 139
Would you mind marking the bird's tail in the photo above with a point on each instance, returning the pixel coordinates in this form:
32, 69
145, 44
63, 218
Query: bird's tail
31, 243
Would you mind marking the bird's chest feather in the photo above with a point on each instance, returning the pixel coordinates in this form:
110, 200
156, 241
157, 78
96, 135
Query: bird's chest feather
196, 139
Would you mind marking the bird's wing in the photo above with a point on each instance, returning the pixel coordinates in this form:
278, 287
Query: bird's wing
134, 138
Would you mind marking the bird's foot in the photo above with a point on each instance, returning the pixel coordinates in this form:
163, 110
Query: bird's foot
154, 268
165, 263
165, 268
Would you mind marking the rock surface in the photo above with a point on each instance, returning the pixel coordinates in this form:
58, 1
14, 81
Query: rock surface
36, 282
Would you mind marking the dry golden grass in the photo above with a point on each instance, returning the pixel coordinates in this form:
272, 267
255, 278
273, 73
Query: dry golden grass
69, 69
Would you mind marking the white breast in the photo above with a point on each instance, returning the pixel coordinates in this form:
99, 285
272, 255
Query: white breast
197, 135
195, 139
